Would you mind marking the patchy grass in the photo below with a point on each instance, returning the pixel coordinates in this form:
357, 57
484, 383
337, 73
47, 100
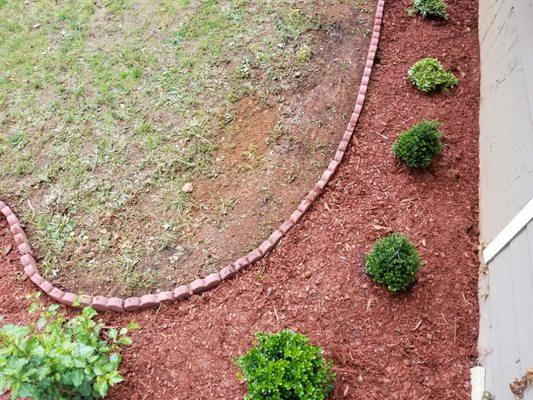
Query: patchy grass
108, 108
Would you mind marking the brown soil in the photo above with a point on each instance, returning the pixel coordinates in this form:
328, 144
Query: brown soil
419, 345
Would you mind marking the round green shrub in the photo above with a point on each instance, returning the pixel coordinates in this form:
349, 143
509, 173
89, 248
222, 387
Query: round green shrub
393, 262
284, 366
419, 145
59, 358
430, 8
428, 75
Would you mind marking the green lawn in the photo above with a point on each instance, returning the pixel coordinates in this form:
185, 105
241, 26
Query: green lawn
107, 108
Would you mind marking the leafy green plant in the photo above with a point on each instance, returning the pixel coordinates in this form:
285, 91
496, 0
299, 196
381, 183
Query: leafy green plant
419, 145
56, 358
429, 8
393, 262
284, 366
428, 75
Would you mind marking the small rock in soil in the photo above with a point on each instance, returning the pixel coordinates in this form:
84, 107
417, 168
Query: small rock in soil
187, 188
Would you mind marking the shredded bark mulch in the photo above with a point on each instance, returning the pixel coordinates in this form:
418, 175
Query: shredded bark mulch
417, 345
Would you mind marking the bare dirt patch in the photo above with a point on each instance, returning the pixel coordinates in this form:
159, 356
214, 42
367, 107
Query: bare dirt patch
273, 153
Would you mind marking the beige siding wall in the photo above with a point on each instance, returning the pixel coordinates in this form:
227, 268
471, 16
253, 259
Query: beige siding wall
506, 185
506, 115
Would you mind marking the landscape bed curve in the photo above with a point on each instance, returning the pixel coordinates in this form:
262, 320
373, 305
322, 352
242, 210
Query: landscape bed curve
182, 292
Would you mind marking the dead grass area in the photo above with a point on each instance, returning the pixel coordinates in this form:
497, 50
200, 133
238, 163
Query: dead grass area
108, 108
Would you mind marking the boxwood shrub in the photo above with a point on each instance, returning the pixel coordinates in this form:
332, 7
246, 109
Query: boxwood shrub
419, 145
430, 8
60, 359
393, 262
428, 75
284, 366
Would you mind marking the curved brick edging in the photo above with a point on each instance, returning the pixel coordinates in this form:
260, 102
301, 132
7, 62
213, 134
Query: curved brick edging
198, 286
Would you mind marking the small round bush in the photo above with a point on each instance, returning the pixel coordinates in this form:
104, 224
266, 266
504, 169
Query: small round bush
393, 262
284, 366
430, 8
418, 146
428, 75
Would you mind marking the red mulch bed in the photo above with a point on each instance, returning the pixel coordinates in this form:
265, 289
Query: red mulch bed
419, 345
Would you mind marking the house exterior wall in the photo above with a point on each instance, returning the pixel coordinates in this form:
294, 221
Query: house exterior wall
506, 185
506, 114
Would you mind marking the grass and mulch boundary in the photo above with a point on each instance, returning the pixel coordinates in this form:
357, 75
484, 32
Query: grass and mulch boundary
419, 344
198, 286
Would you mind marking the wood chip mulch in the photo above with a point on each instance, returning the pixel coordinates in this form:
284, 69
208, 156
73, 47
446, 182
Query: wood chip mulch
414, 346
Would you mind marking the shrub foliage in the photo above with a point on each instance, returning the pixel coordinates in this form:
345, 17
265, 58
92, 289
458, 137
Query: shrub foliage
418, 145
430, 8
284, 366
393, 262
428, 75
56, 358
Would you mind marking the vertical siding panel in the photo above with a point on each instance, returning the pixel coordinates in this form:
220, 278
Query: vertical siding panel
505, 352
523, 296
506, 185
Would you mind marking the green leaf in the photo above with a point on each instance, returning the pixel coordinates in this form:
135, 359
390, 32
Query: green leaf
89, 312
112, 333
42, 372
28, 390
41, 322
430, 8
85, 350
114, 358
77, 377
53, 308
15, 387
15, 365
115, 379
101, 387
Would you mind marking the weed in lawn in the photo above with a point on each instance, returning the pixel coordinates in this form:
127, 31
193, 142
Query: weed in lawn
251, 152
276, 133
227, 205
